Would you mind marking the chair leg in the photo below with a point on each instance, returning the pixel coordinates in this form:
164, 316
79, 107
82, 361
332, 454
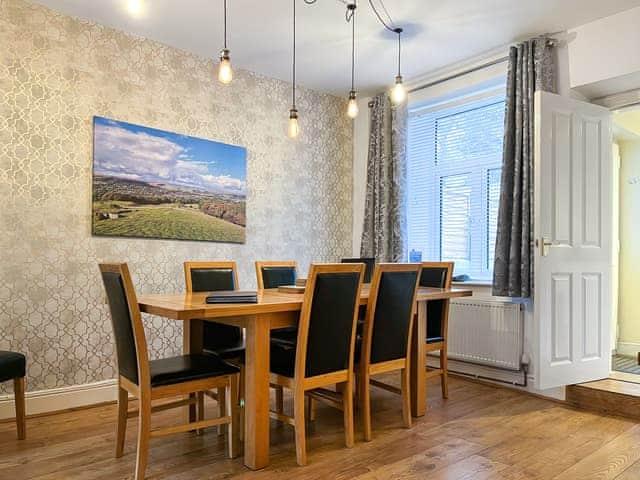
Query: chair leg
144, 433
18, 390
365, 405
121, 429
311, 409
233, 411
192, 408
347, 400
406, 396
241, 403
298, 416
200, 410
279, 399
444, 365
221, 409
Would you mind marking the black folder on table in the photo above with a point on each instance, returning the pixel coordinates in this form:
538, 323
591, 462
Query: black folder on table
233, 296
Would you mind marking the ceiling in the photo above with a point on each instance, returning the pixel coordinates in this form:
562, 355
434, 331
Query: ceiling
439, 33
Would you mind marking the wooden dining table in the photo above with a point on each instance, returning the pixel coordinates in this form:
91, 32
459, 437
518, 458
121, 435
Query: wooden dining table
273, 310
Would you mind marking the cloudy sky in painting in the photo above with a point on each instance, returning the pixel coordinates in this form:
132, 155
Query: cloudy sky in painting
139, 153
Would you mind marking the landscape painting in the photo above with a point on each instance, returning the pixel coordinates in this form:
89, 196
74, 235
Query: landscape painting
156, 184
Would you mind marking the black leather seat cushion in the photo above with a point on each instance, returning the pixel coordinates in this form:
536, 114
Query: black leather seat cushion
168, 371
234, 350
12, 365
287, 336
283, 359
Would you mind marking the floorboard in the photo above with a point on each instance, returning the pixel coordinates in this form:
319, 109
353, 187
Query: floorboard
481, 432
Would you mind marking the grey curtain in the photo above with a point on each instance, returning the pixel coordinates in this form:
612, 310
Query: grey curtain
532, 67
384, 233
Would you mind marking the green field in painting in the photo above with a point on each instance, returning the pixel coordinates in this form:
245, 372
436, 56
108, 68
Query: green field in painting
169, 222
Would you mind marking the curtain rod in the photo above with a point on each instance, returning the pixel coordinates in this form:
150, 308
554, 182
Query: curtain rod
456, 75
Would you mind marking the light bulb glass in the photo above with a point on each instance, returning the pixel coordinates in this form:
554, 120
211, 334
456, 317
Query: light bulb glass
352, 108
293, 129
135, 7
398, 92
225, 73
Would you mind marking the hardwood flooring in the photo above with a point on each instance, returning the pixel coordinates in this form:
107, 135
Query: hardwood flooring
481, 432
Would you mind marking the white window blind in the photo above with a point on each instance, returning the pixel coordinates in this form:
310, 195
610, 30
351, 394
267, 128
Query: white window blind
454, 170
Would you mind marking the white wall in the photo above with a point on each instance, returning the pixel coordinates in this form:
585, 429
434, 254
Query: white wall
604, 55
629, 307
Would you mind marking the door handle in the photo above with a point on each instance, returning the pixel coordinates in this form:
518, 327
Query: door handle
544, 245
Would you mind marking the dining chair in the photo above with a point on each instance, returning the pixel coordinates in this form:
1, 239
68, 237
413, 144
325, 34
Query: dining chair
225, 341
438, 275
274, 274
13, 366
369, 262
150, 380
384, 345
324, 350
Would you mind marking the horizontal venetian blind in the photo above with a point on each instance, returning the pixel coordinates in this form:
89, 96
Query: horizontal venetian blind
454, 166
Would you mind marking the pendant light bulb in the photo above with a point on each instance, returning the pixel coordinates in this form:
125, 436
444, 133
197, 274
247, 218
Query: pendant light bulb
225, 73
352, 106
293, 128
398, 92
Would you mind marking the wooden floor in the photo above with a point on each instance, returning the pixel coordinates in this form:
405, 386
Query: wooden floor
481, 432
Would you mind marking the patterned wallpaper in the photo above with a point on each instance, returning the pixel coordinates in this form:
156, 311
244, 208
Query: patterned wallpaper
56, 72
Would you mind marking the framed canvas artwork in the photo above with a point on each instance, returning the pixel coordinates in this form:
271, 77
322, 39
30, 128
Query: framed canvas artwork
156, 184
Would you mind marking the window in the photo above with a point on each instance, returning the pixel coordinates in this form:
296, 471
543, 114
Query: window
454, 171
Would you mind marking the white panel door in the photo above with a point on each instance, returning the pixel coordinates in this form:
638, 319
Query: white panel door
573, 211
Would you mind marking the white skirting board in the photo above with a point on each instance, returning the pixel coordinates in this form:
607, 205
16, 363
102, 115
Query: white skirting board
502, 378
629, 349
45, 401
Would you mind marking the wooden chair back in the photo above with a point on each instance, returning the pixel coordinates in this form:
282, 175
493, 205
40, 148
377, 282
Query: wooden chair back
390, 311
273, 274
210, 276
131, 343
437, 275
369, 263
327, 326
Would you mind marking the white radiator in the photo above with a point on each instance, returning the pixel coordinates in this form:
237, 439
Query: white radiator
486, 332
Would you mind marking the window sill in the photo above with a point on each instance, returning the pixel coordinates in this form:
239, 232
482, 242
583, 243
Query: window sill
473, 283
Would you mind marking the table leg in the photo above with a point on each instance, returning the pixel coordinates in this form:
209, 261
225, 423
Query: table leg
419, 362
192, 332
256, 399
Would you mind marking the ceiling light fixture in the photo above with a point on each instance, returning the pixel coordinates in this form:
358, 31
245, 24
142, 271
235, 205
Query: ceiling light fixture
352, 105
225, 73
293, 128
398, 92
135, 7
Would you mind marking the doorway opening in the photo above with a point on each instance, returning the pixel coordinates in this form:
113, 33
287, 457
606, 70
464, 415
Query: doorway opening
626, 316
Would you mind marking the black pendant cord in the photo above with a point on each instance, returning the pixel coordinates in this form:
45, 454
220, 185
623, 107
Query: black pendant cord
396, 30
381, 20
294, 56
353, 43
399, 32
225, 24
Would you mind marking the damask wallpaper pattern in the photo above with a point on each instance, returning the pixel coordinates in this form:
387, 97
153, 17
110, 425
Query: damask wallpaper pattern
56, 72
